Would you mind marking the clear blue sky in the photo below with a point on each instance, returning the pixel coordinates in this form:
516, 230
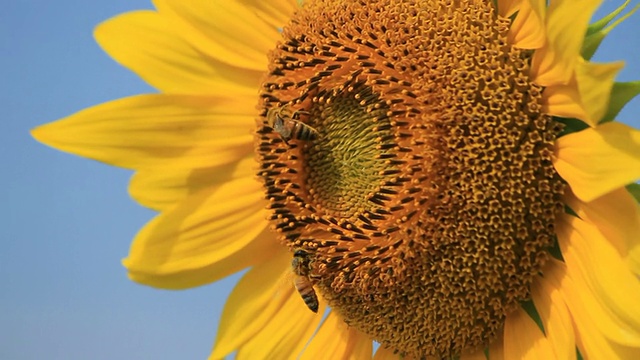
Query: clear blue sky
67, 221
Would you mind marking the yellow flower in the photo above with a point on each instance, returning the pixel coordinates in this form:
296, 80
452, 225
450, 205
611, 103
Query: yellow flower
454, 183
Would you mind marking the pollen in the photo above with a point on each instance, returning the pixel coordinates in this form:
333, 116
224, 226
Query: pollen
428, 198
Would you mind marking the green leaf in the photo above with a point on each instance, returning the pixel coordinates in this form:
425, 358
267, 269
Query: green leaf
591, 44
602, 23
597, 31
634, 189
554, 250
621, 94
531, 310
571, 125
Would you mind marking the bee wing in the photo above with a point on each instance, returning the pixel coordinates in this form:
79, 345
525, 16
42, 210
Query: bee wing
285, 283
283, 129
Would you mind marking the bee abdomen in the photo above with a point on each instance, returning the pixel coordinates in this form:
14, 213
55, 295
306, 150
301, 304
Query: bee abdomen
304, 132
306, 291
312, 301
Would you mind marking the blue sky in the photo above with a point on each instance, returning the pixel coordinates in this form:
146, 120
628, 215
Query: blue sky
67, 221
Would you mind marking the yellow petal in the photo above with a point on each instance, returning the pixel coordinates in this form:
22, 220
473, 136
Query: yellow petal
506, 8
161, 188
275, 12
146, 43
527, 29
385, 354
263, 247
223, 30
555, 317
257, 298
567, 22
157, 130
595, 82
598, 160
602, 281
617, 217
589, 333
363, 347
587, 96
564, 101
209, 235
496, 348
335, 340
523, 339
286, 333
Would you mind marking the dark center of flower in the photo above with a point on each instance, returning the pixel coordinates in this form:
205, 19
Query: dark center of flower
426, 197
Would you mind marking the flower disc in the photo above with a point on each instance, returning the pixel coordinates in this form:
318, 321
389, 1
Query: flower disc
428, 198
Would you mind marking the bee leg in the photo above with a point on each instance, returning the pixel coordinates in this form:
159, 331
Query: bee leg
297, 113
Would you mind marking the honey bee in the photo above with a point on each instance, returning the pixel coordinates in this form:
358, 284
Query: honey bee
301, 280
287, 124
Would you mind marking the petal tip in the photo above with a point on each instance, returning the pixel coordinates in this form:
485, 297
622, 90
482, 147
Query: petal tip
44, 134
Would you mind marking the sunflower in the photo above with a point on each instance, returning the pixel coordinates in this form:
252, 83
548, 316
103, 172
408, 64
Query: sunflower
446, 176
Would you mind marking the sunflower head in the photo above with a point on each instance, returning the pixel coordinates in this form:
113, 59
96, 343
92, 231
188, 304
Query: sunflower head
428, 198
414, 167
